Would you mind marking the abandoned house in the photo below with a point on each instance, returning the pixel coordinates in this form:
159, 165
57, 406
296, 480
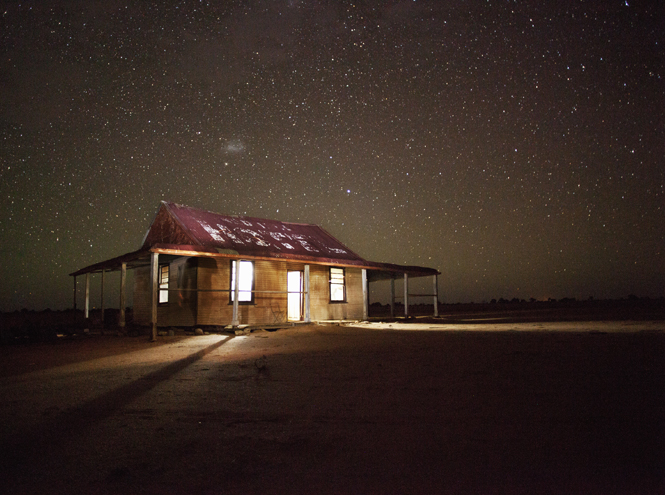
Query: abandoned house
196, 267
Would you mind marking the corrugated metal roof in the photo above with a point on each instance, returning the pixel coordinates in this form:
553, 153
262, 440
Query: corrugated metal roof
248, 236
177, 228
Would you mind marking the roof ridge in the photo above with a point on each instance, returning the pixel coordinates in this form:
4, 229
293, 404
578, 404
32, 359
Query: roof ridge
178, 205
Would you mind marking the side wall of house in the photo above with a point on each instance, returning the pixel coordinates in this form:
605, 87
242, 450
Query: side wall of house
141, 309
322, 308
181, 307
212, 306
215, 308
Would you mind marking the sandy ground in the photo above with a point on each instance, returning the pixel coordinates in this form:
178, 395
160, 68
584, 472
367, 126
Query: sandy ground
565, 408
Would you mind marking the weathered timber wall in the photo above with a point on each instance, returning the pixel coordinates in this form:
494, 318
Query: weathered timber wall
215, 308
322, 308
181, 308
142, 296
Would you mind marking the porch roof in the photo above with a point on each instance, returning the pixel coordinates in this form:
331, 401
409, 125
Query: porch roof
179, 230
135, 259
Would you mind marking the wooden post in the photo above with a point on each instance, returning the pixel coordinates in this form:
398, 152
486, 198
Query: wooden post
87, 296
236, 290
154, 277
74, 294
308, 317
101, 297
365, 296
123, 284
436, 295
392, 296
406, 295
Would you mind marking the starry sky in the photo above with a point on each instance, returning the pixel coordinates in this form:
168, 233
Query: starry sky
516, 146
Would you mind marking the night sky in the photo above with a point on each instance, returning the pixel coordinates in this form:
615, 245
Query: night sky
518, 148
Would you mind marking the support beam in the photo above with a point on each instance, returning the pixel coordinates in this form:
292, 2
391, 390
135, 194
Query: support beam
392, 297
436, 295
308, 317
123, 285
406, 295
236, 290
101, 297
86, 313
154, 277
365, 296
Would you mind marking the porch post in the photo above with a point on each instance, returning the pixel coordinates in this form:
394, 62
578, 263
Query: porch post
406, 295
101, 297
236, 289
154, 273
123, 283
86, 314
365, 296
392, 296
436, 295
308, 317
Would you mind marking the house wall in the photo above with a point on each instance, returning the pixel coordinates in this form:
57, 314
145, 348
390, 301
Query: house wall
141, 309
209, 307
214, 308
322, 308
181, 308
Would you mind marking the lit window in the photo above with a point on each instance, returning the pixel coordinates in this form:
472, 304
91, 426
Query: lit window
245, 282
163, 284
337, 285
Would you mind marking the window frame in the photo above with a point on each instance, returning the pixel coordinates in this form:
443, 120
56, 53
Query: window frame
252, 299
331, 283
163, 286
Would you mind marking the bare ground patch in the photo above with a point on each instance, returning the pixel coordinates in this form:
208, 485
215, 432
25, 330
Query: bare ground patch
335, 409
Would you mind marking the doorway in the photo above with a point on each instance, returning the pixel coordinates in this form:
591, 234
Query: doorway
294, 287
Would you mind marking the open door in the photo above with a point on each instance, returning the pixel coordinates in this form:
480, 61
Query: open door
295, 300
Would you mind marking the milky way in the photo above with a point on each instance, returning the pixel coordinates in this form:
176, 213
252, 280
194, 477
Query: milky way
518, 148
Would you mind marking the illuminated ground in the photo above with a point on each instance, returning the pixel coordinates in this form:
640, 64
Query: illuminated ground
495, 408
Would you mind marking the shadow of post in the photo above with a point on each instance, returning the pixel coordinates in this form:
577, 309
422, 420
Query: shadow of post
23, 451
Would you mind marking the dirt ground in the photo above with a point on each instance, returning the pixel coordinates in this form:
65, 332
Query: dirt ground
505, 408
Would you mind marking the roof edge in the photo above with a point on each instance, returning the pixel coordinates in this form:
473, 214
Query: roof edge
166, 205
201, 251
113, 263
174, 216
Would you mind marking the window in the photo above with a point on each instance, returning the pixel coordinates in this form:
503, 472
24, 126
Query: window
163, 284
245, 282
337, 285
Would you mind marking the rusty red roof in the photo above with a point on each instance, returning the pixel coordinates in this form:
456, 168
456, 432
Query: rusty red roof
177, 228
248, 236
